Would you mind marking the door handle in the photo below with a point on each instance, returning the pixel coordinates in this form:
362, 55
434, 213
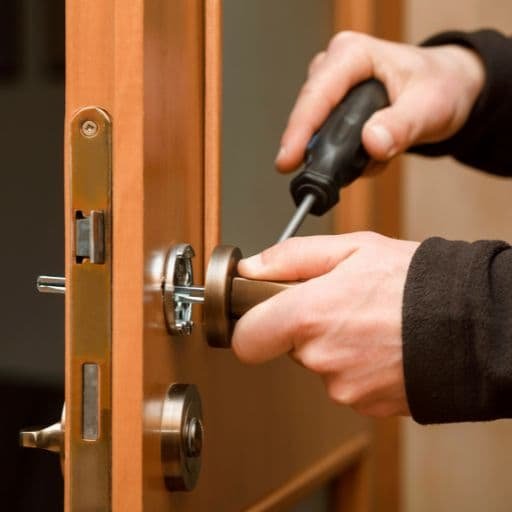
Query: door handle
225, 296
50, 438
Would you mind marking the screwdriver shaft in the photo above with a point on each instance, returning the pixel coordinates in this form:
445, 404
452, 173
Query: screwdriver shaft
298, 218
191, 294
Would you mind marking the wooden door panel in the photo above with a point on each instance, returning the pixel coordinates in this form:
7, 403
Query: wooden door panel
271, 432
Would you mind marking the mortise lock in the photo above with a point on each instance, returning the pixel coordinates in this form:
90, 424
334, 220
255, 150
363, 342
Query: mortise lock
225, 295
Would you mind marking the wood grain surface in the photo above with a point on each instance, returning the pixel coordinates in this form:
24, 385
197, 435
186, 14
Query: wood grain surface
147, 64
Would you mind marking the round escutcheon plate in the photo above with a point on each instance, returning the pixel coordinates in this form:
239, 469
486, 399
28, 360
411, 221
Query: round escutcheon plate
182, 437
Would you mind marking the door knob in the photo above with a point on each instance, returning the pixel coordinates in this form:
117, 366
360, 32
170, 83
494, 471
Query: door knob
225, 295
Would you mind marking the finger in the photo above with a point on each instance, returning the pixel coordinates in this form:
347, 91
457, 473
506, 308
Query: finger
300, 258
393, 130
275, 326
321, 93
316, 62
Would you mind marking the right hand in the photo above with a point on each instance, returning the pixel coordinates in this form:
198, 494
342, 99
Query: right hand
431, 90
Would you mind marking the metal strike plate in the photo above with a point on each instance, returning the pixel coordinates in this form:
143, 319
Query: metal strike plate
88, 287
182, 437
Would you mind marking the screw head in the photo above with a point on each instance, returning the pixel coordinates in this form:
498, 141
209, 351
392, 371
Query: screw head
89, 128
194, 437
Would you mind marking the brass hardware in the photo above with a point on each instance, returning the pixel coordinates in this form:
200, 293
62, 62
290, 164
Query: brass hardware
178, 272
217, 294
246, 293
89, 128
226, 296
89, 237
182, 437
89, 301
50, 438
51, 284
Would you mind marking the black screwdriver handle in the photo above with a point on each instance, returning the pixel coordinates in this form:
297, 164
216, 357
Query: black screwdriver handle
335, 156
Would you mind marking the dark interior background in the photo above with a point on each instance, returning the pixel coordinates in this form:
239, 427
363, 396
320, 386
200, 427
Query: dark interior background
31, 220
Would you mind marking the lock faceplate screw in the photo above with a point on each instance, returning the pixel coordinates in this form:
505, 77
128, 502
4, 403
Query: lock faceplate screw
89, 129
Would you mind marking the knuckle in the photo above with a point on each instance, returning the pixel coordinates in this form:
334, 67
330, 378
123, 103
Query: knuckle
347, 394
369, 237
311, 90
346, 38
306, 327
316, 361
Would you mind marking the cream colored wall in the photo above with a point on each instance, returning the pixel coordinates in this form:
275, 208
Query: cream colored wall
457, 467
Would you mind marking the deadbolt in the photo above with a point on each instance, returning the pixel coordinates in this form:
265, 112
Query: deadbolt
182, 437
225, 296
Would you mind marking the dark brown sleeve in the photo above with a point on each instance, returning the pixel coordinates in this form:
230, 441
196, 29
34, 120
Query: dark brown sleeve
484, 141
457, 331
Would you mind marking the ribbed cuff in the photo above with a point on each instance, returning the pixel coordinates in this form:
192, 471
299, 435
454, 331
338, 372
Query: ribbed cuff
454, 341
479, 143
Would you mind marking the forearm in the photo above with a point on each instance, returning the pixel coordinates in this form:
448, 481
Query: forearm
484, 140
457, 331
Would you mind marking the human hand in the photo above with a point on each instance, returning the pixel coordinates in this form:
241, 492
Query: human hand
343, 322
431, 90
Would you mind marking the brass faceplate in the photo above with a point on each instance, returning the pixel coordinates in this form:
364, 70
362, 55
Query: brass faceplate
89, 302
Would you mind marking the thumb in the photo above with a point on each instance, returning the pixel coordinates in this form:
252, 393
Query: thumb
394, 129
299, 258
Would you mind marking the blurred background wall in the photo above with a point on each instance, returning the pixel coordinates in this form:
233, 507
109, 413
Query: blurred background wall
32, 226
456, 467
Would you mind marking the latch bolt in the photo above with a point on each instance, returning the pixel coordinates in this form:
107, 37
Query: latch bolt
90, 237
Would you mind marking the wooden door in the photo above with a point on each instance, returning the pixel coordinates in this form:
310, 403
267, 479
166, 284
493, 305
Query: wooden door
272, 435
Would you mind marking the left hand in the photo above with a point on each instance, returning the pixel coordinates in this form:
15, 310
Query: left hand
343, 322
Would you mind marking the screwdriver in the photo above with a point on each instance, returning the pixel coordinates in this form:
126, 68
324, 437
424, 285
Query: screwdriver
335, 155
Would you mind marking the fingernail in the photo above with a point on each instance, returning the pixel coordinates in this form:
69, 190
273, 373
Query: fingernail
281, 154
250, 264
384, 139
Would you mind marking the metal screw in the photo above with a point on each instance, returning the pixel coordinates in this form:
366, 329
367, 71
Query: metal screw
194, 437
89, 128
